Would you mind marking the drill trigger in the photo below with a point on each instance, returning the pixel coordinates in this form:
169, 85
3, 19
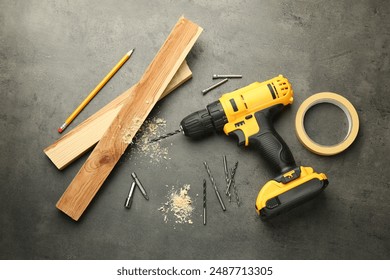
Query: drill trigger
239, 134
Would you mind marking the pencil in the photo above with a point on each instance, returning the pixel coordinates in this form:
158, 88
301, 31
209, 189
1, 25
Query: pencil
95, 91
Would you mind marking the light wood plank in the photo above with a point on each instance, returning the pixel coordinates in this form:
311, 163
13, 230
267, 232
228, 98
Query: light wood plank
134, 111
80, 139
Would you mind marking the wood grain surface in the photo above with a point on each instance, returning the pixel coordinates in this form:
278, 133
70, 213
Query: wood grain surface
134, 111
80, 139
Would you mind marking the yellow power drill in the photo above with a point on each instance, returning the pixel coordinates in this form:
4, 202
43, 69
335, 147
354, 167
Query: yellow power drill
247, 114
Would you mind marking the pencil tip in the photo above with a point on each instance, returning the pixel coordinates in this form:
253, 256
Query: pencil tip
130, 52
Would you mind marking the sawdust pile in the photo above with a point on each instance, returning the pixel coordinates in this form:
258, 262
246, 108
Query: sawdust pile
141, 145
179, 206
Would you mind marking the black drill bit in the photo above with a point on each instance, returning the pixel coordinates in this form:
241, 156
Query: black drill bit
226, 170
215, 186
235, 190
236, 194
204, 202
227, 176
166, 135
231, 178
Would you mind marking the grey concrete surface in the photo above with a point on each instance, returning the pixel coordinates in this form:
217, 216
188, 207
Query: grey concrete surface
52, 53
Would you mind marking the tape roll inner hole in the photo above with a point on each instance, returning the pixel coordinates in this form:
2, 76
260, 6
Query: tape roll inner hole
327, 122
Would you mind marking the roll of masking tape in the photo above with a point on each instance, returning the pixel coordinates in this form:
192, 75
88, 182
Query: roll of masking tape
343, 104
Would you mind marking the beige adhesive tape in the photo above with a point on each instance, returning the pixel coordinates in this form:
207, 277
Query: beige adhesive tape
343, 104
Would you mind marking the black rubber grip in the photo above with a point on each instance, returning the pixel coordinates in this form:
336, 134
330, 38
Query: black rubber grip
269, 143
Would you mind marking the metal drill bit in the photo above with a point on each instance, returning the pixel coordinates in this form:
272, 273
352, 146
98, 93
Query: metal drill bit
232, 184
215, 186
204, 202
225, 169
129, 198
231, 178
227, 175
166, 135
214, 86
141, 188
236, 193
235, 190
215, 76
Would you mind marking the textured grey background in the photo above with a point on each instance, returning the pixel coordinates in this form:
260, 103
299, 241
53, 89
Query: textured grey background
52, 53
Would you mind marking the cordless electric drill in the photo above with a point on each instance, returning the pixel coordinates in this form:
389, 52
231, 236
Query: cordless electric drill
247, 114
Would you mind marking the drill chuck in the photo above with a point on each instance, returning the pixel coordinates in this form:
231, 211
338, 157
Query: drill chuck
204, 122
197, 124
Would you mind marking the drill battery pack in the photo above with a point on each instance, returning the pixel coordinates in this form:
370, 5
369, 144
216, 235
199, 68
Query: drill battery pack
289, 190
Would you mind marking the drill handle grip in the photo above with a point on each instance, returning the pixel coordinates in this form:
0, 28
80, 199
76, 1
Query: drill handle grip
270, 144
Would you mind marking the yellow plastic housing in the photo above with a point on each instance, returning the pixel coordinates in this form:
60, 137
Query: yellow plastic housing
253, 98
273, 188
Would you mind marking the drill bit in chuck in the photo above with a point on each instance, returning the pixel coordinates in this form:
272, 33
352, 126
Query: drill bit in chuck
166, 135
215, 186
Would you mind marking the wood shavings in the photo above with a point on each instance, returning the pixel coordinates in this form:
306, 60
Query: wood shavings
179, 206
131, 131
141, 144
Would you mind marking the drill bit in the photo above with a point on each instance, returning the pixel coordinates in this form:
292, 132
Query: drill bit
141, 188
204, 202
235, 190
215, 76
231, 178
129, 198
225, 169
166, 135
214, 86
227, 175
236, 194
215, 186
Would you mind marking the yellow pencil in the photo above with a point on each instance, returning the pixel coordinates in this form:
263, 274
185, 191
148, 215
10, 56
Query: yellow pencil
95, 91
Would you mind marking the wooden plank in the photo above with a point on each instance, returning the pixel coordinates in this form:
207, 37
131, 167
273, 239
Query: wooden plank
80, 139
134, 111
